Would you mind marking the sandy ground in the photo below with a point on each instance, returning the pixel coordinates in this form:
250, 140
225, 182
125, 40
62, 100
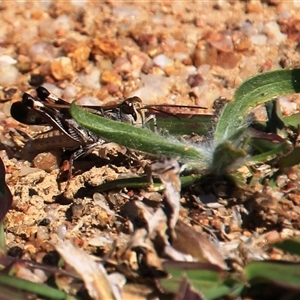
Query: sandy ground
165, 52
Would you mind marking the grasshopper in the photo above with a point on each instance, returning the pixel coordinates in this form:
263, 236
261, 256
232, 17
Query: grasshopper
48, 109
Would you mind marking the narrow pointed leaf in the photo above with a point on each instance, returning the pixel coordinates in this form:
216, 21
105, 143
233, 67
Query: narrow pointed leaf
135, 137
277, 151
282, 274
291, 246
25, 285
206, 278
292, 120
143, 183
252, 92
225, 156
290, 160
184, 124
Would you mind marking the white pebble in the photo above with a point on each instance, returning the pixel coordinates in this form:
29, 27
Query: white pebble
63, 22
88, 101
53, 89
258, 39
126, 12
273, 32
41, 53
7, 59
296, 2
181, 56
80, 3
8, 74
187, 70
204, 69
247, 28
162, 61
45, 4
91, 80
287, 106
42, 233
69, 93
61, 231
155, 87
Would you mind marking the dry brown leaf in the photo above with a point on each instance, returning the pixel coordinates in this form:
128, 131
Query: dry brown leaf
93, 274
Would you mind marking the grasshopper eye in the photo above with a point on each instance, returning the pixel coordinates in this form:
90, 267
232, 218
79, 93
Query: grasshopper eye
128, 108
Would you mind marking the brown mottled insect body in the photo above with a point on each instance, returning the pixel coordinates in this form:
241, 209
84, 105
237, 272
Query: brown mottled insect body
66, 133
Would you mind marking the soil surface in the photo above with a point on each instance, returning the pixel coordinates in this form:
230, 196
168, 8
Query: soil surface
165, 52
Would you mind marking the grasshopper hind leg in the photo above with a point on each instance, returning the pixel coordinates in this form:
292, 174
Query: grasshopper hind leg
78, 153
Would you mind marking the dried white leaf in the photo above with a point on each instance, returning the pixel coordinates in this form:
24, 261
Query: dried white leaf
93, 274
168, 170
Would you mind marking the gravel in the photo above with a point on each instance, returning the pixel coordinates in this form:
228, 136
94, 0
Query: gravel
181, 52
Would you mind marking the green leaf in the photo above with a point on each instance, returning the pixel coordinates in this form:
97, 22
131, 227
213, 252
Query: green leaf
276, 151
136, 138
206, 278
252, 92
292, 120
184, 124
291, 159
282, 274
291, 246
225, 155
39, 289
143, 183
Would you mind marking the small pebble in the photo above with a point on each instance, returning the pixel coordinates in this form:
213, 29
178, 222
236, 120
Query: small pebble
110, 77
69, 93
88, 101
162, 61
107, 47
287, 106
80, 56
47, 161
41, 53
42, 233
155, 87
274, 34
53, 89
195, 80
61, 231
126, 12
138, 60
63, 22
46, 29
258, 39
222, 41
8, 74
7, 59
181, 56
206, 55
90, 80
122, 65
62, 68
247, 28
